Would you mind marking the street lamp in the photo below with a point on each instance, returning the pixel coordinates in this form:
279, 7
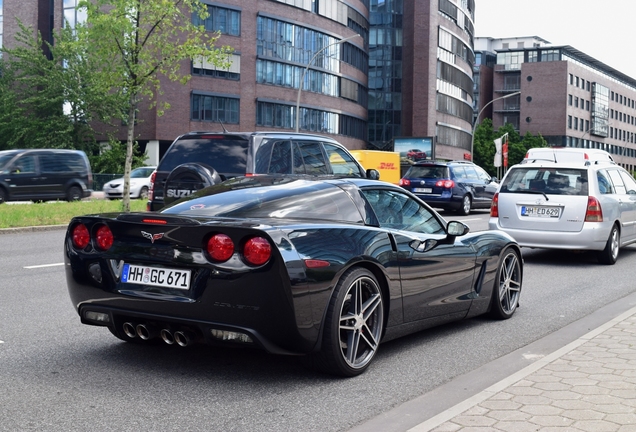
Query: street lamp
302, 79
472, 138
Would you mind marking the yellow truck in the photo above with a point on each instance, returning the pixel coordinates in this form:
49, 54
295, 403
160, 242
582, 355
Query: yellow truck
386, 162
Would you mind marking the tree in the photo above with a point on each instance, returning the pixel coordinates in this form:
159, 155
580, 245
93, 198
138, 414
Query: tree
44, 95
484, 145
136, 42
111, 160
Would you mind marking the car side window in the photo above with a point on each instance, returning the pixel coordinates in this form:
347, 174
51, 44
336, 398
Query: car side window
24, 165
341, 162
274, 157
312, 157
617, 181
459, 173
483, 175
604, 184
471, 174
399, 211
628, 180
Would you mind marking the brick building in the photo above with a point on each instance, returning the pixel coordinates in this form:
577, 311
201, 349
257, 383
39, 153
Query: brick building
567, 96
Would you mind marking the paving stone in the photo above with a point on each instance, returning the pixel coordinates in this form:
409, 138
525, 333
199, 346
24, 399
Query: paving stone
477, 420
622, 419
551, 421
500, 404
583, 414
503, 415
539, 410
595, 426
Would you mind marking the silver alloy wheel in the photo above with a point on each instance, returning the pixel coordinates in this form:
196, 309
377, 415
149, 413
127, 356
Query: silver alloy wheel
509, 283
614, 243
466, 205
360, 325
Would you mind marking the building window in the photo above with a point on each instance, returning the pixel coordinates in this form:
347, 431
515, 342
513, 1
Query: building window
224, 20
215, 108
72, 14
570, 100
204, 68
569, 122
576, 102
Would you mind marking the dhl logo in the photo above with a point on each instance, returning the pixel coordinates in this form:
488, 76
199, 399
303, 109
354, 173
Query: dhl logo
387, 165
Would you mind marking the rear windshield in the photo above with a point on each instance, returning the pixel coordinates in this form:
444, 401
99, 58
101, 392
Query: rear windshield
287, 200
225, 155
428, 171
553, 181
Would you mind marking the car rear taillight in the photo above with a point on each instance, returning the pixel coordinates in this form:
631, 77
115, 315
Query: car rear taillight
220, 247
104, 238
494, 206
81, 237
405, 182
594, 212
448, 184
257, 251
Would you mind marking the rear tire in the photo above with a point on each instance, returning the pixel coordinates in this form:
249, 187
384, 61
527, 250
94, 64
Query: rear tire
73, 193
507, 288
609, 255
3, 196
464, 209
353, 325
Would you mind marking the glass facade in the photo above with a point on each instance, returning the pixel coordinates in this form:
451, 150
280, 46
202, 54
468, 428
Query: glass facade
224, 20
385, 72
1, 23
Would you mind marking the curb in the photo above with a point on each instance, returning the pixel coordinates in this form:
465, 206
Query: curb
32, 229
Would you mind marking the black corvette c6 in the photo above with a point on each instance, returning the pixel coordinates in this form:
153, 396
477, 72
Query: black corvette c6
322, 268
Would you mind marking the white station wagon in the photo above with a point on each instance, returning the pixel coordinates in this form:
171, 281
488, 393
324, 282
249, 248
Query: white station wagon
584, 204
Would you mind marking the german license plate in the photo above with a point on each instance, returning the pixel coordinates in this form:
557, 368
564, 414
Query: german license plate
423, 190
540, 211
161, 277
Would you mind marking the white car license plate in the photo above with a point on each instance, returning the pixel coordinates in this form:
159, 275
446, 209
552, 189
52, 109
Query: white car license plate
540, 211
423, 190
161, 277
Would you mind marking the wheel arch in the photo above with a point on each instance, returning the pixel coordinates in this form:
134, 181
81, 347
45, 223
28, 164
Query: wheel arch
383, 281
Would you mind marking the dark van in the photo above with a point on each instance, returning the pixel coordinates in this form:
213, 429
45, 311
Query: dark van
200, 159
44, 174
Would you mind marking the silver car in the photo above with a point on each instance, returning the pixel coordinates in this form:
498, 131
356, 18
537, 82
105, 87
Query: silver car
139, 184
582, 205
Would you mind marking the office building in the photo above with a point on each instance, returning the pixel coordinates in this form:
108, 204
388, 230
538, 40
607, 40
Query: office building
567, 96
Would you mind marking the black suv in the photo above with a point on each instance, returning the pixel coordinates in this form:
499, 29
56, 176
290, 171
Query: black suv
200, 159
44, 174
456, 185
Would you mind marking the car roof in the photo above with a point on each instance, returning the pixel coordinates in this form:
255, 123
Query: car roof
441, 162
247, 135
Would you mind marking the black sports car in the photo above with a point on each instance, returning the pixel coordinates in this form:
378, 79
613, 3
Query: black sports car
324, 268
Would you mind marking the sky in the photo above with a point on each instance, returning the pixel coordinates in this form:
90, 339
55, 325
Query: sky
602, 29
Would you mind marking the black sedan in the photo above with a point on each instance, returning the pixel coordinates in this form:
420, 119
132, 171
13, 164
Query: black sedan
322, 268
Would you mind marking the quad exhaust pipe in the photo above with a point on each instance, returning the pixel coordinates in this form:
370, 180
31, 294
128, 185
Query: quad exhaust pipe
145, 332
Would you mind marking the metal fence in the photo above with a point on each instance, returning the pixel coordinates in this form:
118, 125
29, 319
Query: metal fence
99, 180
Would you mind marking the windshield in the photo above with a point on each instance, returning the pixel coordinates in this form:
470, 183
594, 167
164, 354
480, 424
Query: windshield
553, 181
250, 199
225, 154
428, 171
141, 172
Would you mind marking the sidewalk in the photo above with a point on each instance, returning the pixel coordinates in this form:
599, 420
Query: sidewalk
587, 385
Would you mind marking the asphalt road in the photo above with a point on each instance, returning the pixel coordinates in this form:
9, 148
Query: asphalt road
59, 375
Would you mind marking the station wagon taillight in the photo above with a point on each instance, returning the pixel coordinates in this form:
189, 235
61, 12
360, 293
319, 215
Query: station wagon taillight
257, 251
448, 184
405, 182
594, 213
220, 247
494, 206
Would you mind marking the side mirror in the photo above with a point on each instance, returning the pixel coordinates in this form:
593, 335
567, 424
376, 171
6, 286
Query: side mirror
373, 174
494, 179
456, 228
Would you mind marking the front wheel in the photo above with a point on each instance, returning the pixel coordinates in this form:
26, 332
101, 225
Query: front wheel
609, 255
143, 193
507, 289
3, 196
353, 325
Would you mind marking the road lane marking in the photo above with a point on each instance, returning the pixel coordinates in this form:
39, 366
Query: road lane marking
43, 265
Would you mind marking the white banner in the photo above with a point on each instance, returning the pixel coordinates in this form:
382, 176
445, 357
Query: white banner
497, 161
